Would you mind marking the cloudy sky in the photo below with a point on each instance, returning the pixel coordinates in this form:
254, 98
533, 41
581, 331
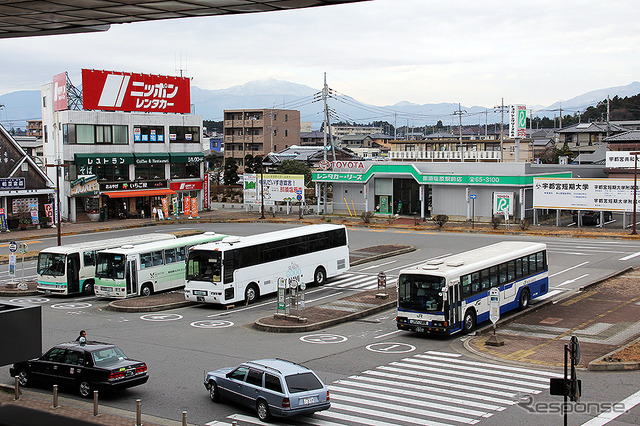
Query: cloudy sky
379, 52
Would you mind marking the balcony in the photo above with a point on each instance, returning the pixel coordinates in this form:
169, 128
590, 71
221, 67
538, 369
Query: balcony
444, 156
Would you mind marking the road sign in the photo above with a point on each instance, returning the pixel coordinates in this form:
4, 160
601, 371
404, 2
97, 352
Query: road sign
13, 246
22, 248
473, 196
494, 305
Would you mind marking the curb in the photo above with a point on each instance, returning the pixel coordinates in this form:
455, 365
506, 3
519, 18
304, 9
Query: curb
323, 324
601, 365
383, 255
112, 306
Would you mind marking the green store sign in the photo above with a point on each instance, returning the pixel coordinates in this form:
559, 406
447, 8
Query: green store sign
431, 178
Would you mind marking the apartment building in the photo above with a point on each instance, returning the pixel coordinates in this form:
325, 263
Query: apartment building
259, 132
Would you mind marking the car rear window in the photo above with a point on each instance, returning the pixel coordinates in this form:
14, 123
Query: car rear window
302, 382
105, 357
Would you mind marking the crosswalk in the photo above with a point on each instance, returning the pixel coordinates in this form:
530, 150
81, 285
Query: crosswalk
357, 281
430, 388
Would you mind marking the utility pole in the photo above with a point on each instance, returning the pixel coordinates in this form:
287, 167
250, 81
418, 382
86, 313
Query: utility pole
459, 114
608, 110
501, 106
58, 166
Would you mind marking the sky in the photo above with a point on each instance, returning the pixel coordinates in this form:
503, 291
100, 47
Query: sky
379, 52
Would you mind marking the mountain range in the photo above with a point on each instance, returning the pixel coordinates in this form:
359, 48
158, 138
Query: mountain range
270, 93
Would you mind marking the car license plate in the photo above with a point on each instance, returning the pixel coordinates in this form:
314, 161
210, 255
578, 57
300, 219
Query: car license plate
47, 292
419, 329
307, 401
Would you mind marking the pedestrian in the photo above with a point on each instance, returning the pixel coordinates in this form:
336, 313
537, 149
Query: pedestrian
82, 335
155, 213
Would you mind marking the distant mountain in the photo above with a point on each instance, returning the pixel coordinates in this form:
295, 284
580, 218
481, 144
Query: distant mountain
270, 93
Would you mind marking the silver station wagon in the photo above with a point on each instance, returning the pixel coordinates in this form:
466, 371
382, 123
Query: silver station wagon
273, 387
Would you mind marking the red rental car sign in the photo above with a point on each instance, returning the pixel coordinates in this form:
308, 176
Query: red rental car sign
120, 91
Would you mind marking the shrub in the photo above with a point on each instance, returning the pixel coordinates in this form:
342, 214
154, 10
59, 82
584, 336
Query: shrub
440, 220
524, 224
366, 217
496, 221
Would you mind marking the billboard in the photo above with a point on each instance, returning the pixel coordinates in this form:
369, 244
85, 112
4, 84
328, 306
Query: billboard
276, 188
60, 92
583, 194
119, 91
620, 160
518, 121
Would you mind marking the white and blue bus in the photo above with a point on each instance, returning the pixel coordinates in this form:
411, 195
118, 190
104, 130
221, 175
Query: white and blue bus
245, 268
71, 268
451, 294
143, 269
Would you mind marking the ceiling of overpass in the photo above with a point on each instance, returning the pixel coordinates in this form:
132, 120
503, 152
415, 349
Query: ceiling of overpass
26, 18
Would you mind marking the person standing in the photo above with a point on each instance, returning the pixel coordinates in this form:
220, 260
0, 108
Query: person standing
82, 335
155, 213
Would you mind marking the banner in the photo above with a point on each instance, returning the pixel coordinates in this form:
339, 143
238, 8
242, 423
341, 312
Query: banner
34, 214
174, 201
276, 188
584, 194
165, 207
194, 207
3, 220
186, 206
207, 195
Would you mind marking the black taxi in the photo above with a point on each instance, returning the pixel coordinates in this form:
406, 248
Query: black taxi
85, 366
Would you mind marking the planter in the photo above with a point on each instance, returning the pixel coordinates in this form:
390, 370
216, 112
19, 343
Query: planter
94, 217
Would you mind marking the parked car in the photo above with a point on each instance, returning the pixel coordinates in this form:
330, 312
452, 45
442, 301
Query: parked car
273, 387
84, 366
591, 217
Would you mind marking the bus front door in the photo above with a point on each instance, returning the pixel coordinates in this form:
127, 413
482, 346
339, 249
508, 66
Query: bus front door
454, 306
73, 273
131, 276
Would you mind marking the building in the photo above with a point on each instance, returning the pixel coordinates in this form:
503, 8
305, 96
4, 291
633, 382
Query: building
470, 150
258, 132
315, 138
585, 138
339, 131
24, 187
120, 163
34, 128
310, 155
33, 147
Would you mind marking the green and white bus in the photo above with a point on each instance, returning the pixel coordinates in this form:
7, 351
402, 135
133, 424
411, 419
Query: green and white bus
144, 269
71, 268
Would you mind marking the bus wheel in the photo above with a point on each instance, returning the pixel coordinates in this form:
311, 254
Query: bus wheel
524, 298
251, 294
320, 276
469, 321
88, 288
146, 290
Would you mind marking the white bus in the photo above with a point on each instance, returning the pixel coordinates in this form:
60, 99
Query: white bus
71, 268
245, 268
451, 294
144, 269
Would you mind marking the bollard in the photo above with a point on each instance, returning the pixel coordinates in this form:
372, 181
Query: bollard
55, 396
95, 403
184, 418
17, 389
138, 413
234, 423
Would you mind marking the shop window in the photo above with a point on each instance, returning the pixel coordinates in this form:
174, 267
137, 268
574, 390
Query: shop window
111, 172
184, 134
185, 170
148, 134
150, 171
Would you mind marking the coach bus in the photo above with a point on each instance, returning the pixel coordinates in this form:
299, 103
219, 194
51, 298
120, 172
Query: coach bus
245, 268
451, 294
144, 269
70, 268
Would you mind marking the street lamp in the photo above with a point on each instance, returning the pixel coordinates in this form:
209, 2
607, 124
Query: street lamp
635, 190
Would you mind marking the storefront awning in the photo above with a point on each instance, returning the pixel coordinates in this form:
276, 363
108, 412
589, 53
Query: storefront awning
187, 157
152, 158
139, 193
99, 159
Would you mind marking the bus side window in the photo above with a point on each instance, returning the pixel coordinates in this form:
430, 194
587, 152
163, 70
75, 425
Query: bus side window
502, 268
541, 261
484, 279
89, 258
533, 268
145, 260
493, 276
525, 266
180, 254
157, 258
170, 255
518, 268
511, 270
475, 282
465, 282
466, 290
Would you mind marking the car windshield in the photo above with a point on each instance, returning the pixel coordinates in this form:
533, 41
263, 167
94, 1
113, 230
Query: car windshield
110, 265
302, 382
51, 264
204, 265
108, 356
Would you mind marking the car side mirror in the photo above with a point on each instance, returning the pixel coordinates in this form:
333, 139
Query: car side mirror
228, 375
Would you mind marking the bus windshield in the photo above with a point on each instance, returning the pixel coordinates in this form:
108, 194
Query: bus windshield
420, 292
51, 264
204, 265
110, 265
